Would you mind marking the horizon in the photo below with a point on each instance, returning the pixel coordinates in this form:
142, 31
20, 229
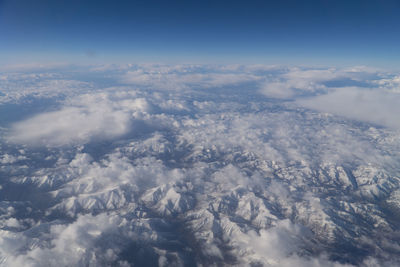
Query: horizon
338, 33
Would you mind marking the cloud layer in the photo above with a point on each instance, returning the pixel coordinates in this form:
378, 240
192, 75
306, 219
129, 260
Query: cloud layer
200, 165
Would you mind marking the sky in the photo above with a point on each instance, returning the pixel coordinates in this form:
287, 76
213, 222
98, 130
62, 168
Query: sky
311, 32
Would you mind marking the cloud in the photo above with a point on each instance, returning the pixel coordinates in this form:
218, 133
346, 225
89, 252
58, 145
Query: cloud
277, 246
278, 90
211, 174
357, 93
297, 82
66, 245
36, 66
83, 119
370, 105
70, 125
185, 77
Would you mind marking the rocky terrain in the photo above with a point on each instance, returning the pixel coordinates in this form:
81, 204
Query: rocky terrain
199, 165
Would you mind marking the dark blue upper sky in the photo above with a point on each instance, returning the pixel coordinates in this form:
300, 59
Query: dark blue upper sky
323, 32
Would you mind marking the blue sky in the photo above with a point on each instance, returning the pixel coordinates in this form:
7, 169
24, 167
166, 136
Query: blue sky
321, 32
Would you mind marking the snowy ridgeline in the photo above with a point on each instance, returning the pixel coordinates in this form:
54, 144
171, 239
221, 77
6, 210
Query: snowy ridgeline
157, 165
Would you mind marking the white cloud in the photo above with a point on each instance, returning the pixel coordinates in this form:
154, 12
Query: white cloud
70, 125
167, 78
35, 66
376, 102
214, 179
8, 159
278, 90
370, 105
83, 119
66, 245
296, 82
277, 246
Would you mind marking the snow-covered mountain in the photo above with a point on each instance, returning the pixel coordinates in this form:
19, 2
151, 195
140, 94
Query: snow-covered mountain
158, 165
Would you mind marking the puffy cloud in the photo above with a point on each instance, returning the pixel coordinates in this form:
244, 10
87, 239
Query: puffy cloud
85, 118
370, 105
356, 93
71, 244
297, 82
9, 159
277, 246
278, 90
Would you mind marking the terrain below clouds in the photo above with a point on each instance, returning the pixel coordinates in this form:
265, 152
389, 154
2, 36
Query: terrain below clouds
199, 165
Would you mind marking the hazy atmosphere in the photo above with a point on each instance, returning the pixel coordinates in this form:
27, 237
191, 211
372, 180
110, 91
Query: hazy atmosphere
199, 133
